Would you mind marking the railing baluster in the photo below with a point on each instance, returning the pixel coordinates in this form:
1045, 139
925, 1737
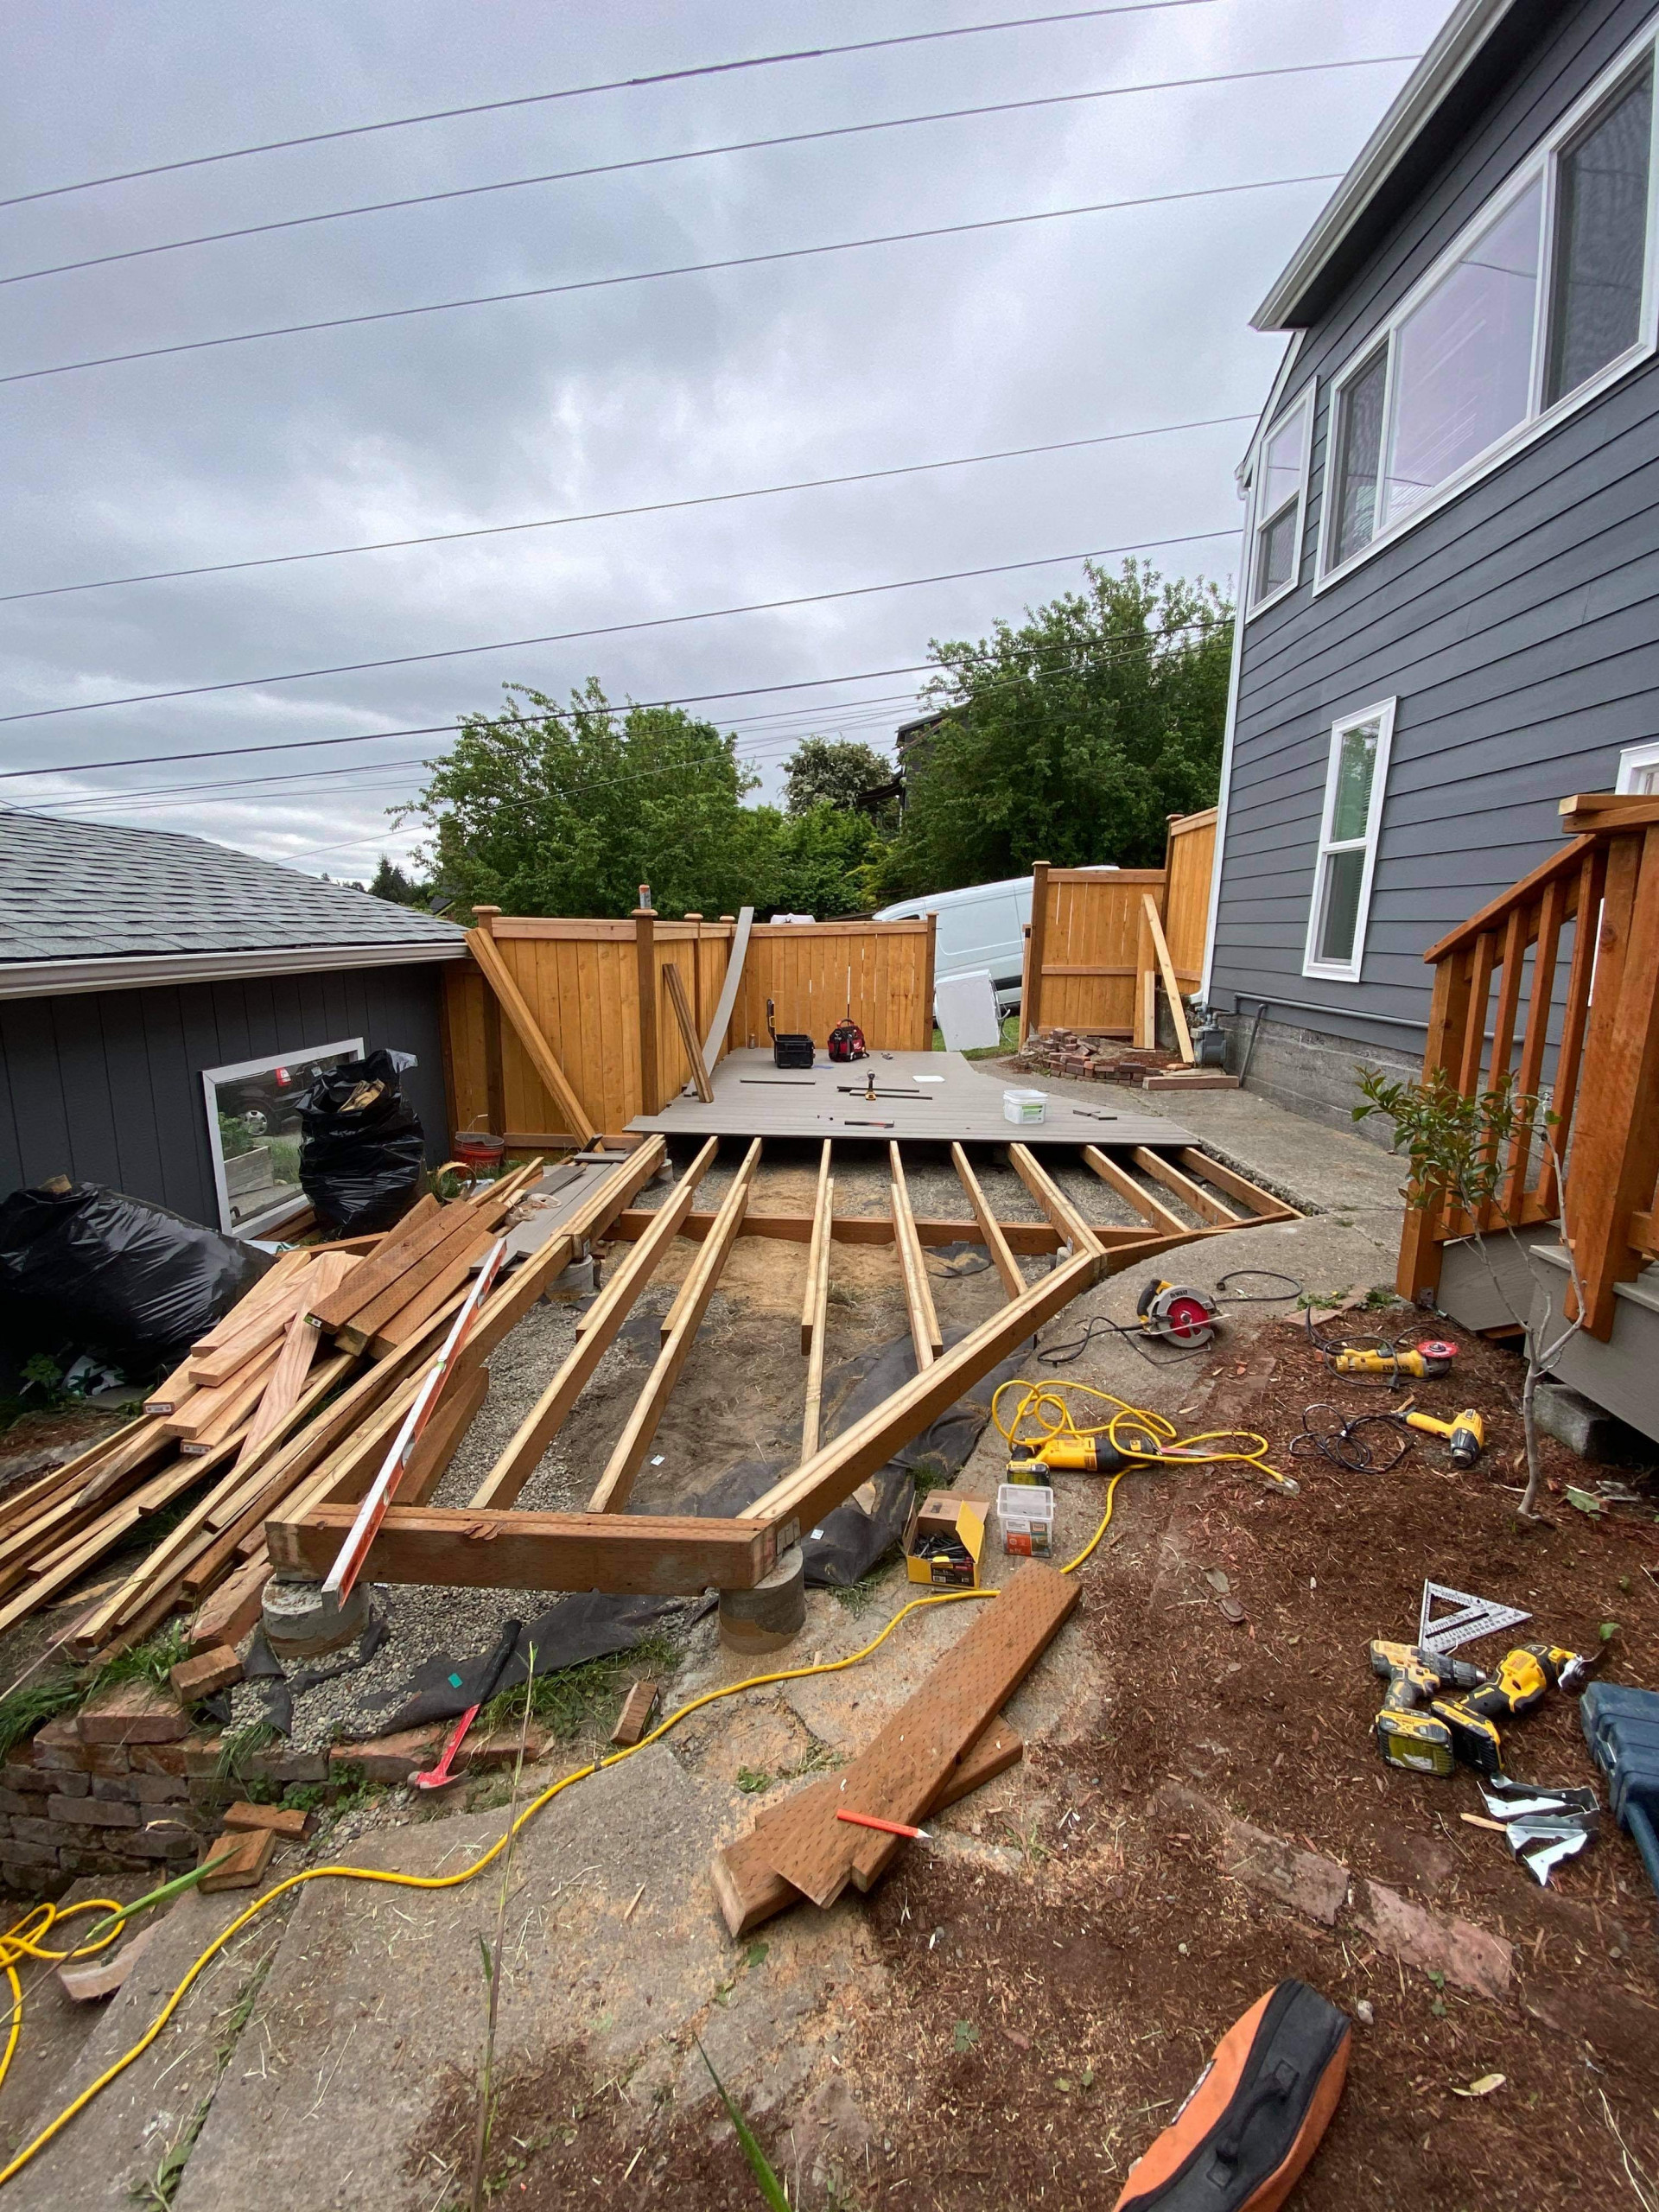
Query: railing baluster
1517, 937
1592, 883
1551, 912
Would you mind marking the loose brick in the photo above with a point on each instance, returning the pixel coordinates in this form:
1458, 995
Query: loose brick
216, 1668
252, 1850
389, 1759
59, 1747
92, 1812
133, 1713
281, 1819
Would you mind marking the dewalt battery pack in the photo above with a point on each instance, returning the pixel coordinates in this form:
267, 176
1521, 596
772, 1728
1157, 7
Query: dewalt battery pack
1255, 2114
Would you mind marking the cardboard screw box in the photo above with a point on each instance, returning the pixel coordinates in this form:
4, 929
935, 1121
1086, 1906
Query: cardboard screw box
944, 1540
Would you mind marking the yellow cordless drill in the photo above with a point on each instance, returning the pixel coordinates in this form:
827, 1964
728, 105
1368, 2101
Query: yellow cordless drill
1522, 1678
1411, 1731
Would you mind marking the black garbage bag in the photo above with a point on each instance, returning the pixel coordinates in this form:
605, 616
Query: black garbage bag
115, 1275
363, 1146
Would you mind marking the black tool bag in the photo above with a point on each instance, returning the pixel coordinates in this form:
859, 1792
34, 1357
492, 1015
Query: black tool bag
1255, 2116
790, 1051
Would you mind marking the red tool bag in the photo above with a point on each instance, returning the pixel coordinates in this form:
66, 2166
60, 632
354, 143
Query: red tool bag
1256, 2115
847, 1041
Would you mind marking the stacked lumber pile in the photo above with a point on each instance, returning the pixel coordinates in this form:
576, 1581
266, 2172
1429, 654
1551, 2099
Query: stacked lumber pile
945, 1741
1085, 1054
263, 1401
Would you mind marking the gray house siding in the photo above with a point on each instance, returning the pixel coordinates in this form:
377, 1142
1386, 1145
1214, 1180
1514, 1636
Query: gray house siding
105, 1086
1517, 628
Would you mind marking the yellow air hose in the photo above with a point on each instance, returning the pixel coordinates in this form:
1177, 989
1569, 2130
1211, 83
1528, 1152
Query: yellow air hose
1043, 1406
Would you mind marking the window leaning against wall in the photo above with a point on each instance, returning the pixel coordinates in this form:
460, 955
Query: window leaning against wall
1355, 779
1545, 298
1280, 493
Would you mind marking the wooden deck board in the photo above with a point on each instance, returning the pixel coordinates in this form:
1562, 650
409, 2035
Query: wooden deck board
753, 1098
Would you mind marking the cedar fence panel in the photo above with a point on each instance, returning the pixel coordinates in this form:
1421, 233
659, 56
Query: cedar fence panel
580, 981
1189, 858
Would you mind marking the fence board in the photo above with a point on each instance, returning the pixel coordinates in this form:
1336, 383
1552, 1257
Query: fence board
1188, 862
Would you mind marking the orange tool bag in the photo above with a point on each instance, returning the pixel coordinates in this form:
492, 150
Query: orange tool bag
1256, 2115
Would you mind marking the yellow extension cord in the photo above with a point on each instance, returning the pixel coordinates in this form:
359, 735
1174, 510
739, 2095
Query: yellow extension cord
1044, 1405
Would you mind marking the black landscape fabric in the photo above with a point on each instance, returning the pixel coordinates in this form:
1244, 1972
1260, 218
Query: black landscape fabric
839, 1550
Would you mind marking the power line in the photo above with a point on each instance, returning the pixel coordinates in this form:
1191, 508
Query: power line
584, 92
655, 275
615, 514
618, 629
703, 154
145, 794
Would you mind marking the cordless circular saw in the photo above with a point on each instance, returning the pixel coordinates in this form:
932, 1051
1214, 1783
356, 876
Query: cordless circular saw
1178, 1314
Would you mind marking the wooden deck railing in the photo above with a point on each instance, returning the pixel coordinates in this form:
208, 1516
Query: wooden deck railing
1557, 983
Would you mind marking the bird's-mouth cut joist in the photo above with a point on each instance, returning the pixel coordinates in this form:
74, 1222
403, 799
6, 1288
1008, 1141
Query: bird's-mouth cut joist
491, 1542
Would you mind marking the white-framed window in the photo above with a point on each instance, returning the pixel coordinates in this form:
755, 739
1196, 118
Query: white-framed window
1355, 779
1638, 768
253, 1128
1544, 299
1280, 501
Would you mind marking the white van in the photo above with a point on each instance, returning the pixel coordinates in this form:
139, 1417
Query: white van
982, 926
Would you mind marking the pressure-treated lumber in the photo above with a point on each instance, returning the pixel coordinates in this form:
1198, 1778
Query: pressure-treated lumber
1054, 1201
1146, 1205
1237, 1185
902, 1771
715, 1040
727, 1223
234, 1608
990, 1229
596, 1330
468, 1235
210, 1415
1034, 1238
665, 1555
281, 1270
541, 1055
211, 1370
802, 1498
749, 1891
1176, 1011
926, 1336
822, 1213
818, 1328
612, 1492
680, 1007
1204, 1203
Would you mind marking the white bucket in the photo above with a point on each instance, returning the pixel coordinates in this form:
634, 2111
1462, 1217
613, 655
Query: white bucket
1024, 1106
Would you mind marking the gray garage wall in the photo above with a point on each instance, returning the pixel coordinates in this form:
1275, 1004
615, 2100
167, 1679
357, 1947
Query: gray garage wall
106, 1087
1518, 629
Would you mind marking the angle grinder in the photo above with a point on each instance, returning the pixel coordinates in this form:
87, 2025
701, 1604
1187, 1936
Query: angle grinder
1178, 1314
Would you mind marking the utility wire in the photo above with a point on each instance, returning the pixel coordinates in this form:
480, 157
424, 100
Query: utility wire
615, 514
584, 92
143, 794
703, 154
617, 629
654, 275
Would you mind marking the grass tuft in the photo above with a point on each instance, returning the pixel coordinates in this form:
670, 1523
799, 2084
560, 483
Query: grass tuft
583, 1700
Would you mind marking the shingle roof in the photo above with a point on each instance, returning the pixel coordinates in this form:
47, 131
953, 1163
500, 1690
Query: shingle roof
76, 891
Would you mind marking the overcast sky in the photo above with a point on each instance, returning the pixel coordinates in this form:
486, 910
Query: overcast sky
669, 390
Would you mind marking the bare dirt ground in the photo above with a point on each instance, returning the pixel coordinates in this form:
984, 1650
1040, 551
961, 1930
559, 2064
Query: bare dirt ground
1054, 1980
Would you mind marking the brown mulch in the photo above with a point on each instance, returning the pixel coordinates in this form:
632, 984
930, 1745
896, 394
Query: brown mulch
1046, 2010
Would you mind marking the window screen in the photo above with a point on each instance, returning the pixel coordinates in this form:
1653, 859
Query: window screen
1601, 228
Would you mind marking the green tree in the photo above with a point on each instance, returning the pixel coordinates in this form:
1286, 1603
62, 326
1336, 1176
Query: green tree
1072, 737
826, 862
835, 771
390, 881
545, 809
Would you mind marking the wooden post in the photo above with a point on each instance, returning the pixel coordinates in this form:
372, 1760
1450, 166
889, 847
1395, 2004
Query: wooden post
1031, 1004
1145, 986
928, 964
1616, 1156
645, 946
1420, 1242
495, 1081
697, 973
